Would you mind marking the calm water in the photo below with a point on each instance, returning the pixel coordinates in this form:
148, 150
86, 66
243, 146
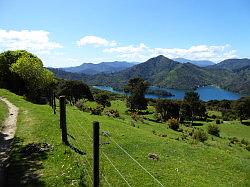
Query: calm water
206, 93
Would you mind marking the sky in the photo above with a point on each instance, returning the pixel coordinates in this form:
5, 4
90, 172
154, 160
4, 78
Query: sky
67, 33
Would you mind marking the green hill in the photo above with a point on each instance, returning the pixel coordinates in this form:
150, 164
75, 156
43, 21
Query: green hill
164, 72
182, 161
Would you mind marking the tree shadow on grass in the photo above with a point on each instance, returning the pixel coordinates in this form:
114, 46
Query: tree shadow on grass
25, 162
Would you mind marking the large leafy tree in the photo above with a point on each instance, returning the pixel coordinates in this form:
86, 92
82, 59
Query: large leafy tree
74, 90
103, 99
167, 109
9, 79
192, 106
242, 107
137, 88
23, 73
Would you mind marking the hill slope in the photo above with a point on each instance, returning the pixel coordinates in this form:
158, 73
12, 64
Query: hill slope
182, 162
103, 67
201, 63
232, 64
164, 72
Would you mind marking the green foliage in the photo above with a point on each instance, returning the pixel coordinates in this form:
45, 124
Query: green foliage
173, 124
103, 99
242, 107
213, 129
137, 88
229, 115
74, 90
97, 111
80, 105
24, 73
192, 106
167, 109
112, 113
3, 113
217, 121
200, 135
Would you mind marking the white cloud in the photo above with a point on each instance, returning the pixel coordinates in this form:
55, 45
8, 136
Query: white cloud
96, 41
32, 40
198, 52
126, 49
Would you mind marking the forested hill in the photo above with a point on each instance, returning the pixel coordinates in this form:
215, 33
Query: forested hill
103, 67
232, 64
162, 71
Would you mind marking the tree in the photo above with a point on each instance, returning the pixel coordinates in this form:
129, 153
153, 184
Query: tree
167, 109
192, 106
74, 90
242, 107
137, 88
37, 78
103, 99
8, 79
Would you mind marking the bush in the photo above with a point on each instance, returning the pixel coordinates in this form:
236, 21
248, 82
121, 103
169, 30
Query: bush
229, 115
217, 121
214, 130
234, 140
112, 113
173, 124
200, 135
97, 111
213, 116
79, 104
248, 148
244, 142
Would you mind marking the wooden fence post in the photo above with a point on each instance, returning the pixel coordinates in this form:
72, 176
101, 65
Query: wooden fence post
96, 128
63, 120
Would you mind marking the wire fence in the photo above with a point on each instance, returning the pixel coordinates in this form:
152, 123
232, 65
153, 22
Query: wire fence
82, 139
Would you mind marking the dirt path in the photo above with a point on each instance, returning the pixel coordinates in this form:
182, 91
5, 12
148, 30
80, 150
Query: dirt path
6, 136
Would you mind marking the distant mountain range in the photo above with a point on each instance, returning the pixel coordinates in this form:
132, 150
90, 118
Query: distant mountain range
103, 67
231, 74
112, 67
201, 63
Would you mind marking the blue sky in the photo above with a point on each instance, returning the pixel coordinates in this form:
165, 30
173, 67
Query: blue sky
68, 33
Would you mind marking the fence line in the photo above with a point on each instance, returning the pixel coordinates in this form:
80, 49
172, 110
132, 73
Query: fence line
116, 169
77, 154
119, 146
135, 161
105, 156
106, 180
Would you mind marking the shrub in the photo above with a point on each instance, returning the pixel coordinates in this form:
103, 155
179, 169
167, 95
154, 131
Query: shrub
213, 116
112, 113
214, 130
79, 104
97, 111
244, 142
217, 121
173, 124
234, 140
229, 115
200, 135
248, 148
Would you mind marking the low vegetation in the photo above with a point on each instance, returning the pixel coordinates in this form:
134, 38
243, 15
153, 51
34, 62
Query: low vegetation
3, 112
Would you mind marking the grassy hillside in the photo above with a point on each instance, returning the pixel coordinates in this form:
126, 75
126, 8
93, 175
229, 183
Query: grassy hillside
3, 112
181, 162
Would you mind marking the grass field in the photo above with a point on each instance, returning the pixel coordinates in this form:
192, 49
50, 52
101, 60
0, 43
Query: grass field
181, 162
3, 112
